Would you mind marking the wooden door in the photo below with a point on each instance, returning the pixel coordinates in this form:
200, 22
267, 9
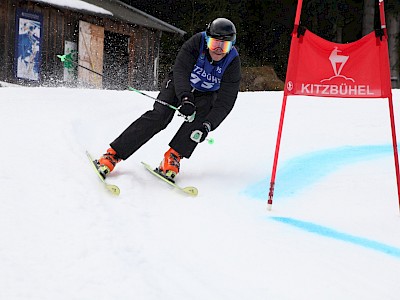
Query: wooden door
90, 54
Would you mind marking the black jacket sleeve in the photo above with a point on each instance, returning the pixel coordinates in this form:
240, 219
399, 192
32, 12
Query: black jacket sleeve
226, 95
183, 66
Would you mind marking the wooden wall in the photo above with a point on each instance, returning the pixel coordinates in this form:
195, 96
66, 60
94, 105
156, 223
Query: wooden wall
60, 25
7, 41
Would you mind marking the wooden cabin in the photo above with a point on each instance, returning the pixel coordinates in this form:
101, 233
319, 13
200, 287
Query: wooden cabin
106, 44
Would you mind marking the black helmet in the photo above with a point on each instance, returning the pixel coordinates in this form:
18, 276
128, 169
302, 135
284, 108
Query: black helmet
222, 29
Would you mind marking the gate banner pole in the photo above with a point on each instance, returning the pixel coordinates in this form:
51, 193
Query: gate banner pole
282, 117
297, 18
382, 16
278, 143
391, 111
394, 140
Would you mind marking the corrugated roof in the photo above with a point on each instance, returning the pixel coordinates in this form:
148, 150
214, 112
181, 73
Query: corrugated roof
124, 12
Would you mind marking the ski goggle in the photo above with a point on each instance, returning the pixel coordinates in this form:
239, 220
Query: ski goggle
214, 44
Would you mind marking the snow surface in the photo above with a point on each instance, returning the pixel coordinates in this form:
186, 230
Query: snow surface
77, 4
333, 232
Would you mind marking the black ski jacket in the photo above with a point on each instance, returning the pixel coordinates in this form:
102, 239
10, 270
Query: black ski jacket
224, 99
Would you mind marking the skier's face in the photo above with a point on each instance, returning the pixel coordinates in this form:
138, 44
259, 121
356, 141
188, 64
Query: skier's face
221, 46
216, 55
218, 48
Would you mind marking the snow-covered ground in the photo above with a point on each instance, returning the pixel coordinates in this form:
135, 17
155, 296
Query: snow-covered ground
333, 232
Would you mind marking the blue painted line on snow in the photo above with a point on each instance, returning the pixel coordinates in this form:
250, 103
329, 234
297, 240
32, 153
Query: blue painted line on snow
331, 233
300, 172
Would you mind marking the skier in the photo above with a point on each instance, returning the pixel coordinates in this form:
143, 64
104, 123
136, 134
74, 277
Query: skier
203, 85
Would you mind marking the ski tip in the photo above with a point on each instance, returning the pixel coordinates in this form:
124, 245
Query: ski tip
191, 190
113, 189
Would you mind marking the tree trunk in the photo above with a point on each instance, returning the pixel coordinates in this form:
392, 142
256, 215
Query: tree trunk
368, 18
394, 49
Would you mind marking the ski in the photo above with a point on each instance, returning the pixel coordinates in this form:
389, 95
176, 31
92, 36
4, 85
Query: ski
190, 190
111, 187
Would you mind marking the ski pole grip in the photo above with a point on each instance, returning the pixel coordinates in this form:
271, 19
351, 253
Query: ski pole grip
196, 136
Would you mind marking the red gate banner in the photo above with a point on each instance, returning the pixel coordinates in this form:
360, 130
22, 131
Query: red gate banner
318, 67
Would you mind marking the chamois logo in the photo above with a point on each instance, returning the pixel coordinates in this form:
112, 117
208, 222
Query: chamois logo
337, 61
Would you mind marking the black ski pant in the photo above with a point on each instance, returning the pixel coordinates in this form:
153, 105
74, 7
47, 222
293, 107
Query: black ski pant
157, 119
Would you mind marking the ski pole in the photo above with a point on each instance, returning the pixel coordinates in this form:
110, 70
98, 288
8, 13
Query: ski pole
196, 136
189, 119
64, 58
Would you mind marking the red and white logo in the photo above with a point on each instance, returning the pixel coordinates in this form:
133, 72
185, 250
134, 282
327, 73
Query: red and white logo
338, 85
337, 61
322, 68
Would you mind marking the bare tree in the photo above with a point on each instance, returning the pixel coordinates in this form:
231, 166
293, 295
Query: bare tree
393, 25
368, 18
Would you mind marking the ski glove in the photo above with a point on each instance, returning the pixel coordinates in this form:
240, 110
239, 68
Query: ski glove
187, 107
199, 135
